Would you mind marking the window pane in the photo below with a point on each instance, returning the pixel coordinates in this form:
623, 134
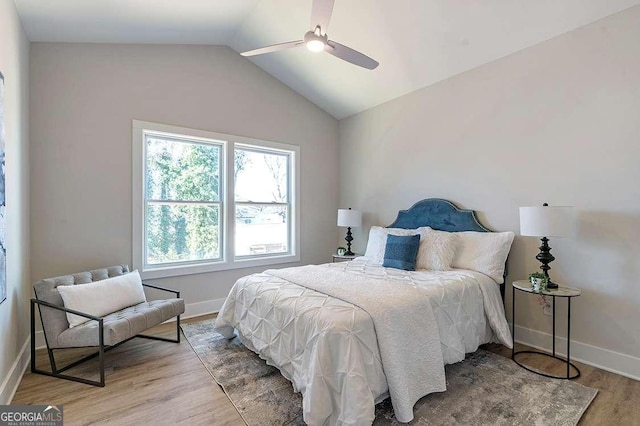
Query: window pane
261, 229
261, 177
182, 171
179, 232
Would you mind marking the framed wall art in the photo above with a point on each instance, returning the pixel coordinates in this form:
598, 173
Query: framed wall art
3, 208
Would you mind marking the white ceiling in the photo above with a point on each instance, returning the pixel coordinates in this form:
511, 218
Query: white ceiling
417, 42
133, 21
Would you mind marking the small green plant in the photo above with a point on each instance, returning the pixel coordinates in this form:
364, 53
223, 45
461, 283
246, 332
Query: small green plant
542, 279
537, 275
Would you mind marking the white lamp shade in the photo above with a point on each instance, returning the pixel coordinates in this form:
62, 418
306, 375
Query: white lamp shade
349, 218
547, 221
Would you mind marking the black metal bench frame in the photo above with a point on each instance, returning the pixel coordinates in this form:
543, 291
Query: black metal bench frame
102, 348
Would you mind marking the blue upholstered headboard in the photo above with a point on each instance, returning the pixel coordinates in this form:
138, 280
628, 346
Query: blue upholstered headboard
438, 214
442, 215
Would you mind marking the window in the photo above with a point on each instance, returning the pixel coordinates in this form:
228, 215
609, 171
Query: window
205, 201
262, 203
182, 200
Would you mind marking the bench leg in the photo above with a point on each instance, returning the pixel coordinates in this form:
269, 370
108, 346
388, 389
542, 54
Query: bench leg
164, 339
55, 372
52, 360
101, 352
58, 372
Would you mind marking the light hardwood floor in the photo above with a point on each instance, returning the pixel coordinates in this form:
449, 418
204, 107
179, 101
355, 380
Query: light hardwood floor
148, 383
159, 383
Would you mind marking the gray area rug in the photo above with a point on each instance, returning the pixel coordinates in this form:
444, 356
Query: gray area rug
484, 389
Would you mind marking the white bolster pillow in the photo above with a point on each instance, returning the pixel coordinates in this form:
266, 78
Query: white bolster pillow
103, 297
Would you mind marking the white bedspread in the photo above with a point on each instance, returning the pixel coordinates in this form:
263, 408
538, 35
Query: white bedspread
328, 347
405, 326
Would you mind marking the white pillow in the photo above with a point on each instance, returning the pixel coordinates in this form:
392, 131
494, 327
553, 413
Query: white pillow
378, 241
102, 297
437, 250
484, 252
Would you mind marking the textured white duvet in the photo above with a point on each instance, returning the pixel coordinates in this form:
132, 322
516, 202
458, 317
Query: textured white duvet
329, 348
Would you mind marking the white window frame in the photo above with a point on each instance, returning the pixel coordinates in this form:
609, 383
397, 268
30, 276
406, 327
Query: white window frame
227, 202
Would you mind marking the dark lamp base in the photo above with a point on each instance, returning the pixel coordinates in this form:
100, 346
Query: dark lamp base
348, 239
552, 285
545, 257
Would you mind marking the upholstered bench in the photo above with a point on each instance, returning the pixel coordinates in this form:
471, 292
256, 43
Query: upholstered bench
104, 332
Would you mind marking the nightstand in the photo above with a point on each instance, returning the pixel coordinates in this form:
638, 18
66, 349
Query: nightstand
564, 292
344, 257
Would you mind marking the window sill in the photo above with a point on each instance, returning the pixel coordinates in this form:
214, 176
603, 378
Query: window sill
176, 271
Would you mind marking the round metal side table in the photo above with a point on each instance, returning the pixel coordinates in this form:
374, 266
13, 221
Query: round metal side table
564, 292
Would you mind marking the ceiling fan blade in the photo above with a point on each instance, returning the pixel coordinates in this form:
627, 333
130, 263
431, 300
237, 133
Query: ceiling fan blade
321, 14
348, 54
273, 48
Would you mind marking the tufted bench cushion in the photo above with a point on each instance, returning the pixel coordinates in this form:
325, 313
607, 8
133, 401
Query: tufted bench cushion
122, 324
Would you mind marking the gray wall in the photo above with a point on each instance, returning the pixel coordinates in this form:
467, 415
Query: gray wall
14, 322
558, 122
84, 97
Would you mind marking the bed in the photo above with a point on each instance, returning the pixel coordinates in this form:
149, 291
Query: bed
349, 335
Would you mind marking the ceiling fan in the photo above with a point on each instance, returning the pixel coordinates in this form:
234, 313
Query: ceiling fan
316, 40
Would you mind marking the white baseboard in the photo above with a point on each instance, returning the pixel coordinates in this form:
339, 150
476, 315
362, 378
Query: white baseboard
10, 384
191, 310
202, 308
615, 362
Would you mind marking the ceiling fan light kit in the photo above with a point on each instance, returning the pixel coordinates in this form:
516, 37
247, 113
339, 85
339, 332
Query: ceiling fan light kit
317, 40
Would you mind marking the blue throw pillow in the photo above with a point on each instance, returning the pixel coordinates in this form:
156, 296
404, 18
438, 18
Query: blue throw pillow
401, 252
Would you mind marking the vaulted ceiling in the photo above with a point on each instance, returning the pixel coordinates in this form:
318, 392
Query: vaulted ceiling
417, 42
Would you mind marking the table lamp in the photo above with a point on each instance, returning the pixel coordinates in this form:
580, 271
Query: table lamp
350, 219
546, 221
